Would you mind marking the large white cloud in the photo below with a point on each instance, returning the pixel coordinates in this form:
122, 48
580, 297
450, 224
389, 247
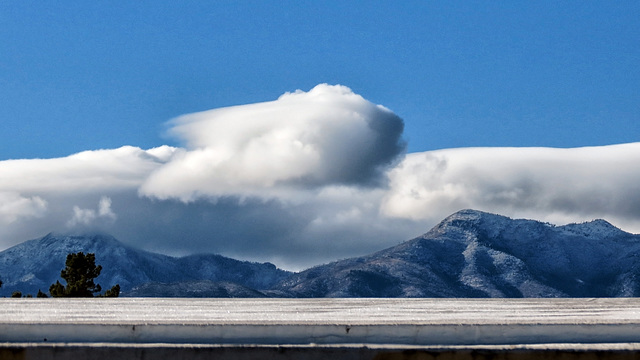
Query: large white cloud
295, 180
311, 177
303, 140
558, 185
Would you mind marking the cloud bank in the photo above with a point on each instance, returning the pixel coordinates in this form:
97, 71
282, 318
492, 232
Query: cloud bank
308, 178
85, 172
558, 185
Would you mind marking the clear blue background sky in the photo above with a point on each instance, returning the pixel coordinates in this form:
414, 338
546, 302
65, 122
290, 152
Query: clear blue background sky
80, 76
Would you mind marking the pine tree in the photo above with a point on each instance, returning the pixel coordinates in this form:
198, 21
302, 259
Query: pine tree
57, 290
113, 292
80, 272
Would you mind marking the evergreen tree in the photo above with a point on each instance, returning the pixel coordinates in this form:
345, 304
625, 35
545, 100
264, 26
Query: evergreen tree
80, 272
41, 294
16, 294
113, 292
57, 290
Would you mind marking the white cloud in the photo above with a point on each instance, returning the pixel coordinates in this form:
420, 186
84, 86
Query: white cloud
88, 171
81, 217
556, 185
85, 218
13, 206
309, 178
303, 140
37, 195
295, 179
104, 209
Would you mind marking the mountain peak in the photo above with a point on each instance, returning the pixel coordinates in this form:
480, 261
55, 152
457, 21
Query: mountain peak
467, 214
474, 216
595, 228
95, 236
58, 242
469, 219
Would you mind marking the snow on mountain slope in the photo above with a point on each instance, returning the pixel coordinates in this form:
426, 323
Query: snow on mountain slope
476, 254
36, 264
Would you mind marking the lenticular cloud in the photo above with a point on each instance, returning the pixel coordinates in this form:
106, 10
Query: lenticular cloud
303, 140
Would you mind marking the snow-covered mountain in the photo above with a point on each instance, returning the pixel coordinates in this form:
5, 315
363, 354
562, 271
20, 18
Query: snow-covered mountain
36, 264
469, 254
476, 254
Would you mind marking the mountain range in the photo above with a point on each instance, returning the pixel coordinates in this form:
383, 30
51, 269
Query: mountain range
36, 264
469, 254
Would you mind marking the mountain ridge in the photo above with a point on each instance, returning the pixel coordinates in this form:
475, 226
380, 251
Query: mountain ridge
35, 264
468, 254
478, 254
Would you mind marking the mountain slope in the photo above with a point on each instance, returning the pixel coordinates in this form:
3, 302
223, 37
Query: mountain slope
195, 289
36, 264
476, 254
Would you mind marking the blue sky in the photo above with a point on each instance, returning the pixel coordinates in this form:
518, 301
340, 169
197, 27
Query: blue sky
164, 122
461, 73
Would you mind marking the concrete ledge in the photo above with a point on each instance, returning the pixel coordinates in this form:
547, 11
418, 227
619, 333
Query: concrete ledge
320, 328
74, 351
321, 321
291, 334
